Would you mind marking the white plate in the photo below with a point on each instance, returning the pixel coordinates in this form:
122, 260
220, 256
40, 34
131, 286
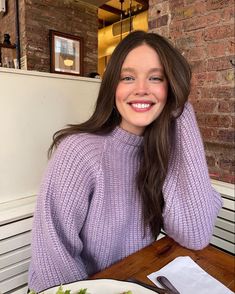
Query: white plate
102, 286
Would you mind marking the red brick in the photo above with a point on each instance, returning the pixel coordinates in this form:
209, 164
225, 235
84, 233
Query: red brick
194, 93
231, 47
219, 32
226, 106
221, 92
175, 4
199, 79
198, 37
233, 121
205, 106
198, 66
189, 40
195, 23
227, 164
201, 119
214, 18
208, 134
189, 2
154, 2
216, 49
214, 120
176, 29
188, 11
212, 78
195, 53
203, 93
227, 14
210, 161
217, 4
152, 24
162, 21
219, 63
226, 136
185, 42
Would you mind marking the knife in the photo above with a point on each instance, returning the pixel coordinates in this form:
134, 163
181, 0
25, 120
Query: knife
167, 284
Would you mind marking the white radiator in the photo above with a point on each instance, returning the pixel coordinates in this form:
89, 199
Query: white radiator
15, 236
224, 231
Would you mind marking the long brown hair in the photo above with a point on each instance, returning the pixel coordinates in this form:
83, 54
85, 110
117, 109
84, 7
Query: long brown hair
158, 135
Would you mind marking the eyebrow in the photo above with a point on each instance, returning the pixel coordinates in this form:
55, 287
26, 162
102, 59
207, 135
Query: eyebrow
154, 69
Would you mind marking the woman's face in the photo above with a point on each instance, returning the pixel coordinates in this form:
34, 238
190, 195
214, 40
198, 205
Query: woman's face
142, 90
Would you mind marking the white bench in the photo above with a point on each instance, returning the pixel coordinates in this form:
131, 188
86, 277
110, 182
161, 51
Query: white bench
15, 235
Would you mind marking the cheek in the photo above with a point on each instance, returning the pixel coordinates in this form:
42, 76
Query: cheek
163, 93
120, 94
118, 98
117, 93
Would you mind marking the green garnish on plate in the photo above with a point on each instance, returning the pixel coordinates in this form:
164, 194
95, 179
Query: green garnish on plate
61, 291
81, 291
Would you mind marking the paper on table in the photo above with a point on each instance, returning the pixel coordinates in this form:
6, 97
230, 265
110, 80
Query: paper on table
188, 277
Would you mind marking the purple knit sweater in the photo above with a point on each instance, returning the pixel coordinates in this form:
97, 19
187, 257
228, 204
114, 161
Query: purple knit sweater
88, 213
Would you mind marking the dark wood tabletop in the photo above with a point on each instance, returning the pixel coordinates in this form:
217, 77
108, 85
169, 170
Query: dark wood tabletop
217, 263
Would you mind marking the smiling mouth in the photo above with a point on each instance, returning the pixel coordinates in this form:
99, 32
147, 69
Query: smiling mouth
141, 106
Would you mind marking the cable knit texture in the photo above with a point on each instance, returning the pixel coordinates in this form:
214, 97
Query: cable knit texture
88, 213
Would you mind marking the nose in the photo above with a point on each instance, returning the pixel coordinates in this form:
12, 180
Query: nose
142, 88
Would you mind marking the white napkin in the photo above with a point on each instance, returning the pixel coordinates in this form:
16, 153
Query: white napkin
188, 277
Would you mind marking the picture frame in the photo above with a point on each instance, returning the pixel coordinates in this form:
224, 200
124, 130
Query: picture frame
66, 52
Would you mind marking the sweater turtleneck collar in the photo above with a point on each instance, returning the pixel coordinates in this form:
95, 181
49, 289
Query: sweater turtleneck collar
128, 138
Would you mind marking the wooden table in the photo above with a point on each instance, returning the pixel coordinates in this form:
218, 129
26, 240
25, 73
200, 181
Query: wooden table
217, 263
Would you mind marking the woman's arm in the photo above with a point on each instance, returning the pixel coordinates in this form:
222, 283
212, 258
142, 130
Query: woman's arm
191, 204
60, 213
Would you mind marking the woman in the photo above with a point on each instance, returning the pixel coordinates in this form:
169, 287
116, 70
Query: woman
135, 167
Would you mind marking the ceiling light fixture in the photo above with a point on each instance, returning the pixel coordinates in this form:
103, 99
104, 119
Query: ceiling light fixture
130, 10
121, 16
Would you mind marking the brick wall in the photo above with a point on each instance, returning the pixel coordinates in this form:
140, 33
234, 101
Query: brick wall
7, 22
72, 17
8, 26
204, 32
38, 17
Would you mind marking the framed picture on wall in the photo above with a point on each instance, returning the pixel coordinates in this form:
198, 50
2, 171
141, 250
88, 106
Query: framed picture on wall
66, 53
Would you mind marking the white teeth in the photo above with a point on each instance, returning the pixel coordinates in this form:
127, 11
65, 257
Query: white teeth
141, 105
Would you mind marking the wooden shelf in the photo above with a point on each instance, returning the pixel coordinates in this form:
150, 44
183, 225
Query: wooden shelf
11, 46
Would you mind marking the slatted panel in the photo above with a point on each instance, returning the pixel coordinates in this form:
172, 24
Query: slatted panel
224, 231
14, 256
224, 224
229, 236
227, 215
15, 228
223, 244
15, 269
21, 290
14, 282
14, 242
15, 253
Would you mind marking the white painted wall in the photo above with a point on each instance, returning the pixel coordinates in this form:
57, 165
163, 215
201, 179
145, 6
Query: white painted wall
33, 106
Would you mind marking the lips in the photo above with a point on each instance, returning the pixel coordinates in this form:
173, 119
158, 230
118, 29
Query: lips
141, 106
